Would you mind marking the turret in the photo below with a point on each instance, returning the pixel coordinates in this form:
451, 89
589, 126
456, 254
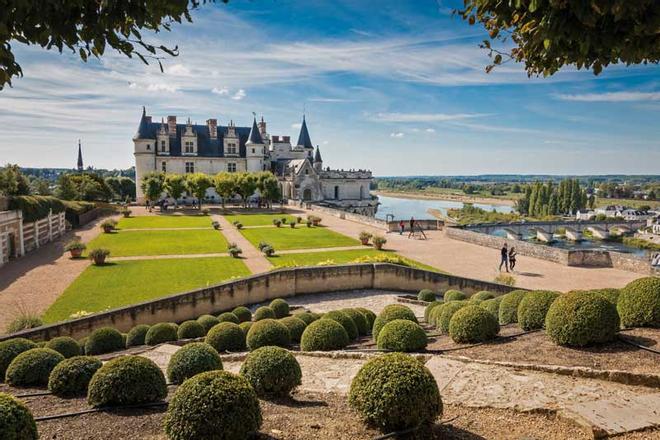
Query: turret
255, 149
144, 143
318, 162
304, 141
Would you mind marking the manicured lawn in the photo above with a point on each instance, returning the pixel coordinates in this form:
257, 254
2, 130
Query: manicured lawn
301, 237
129, 282
165, 221
133, 243
260, 219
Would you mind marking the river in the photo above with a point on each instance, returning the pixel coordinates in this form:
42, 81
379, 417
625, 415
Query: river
405, 208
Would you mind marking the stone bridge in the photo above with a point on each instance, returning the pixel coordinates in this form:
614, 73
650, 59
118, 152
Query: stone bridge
544, 230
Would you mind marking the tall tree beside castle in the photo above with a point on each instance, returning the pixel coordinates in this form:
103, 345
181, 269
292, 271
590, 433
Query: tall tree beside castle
543, 199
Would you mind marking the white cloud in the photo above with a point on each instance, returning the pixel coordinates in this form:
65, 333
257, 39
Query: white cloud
397, 134
325, 142
132, 85
240, 94
611, 97
296, 126
424, 117
330, 100
161, 87
178, 70
221, 91
430, 130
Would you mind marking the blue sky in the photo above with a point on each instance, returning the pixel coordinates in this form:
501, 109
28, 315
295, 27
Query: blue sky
397, 87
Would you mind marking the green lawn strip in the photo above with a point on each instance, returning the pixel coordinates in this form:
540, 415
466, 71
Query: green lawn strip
165, 221
134, 243
123, 283
300, 237
259, 219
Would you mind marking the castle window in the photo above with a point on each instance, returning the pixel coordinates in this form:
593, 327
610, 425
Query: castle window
189, 147
162, 145
190, 167
231, 148
231, 167
306, 172
253, 151
148, 147
163, 166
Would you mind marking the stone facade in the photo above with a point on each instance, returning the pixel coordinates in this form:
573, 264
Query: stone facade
211, 148
11, 235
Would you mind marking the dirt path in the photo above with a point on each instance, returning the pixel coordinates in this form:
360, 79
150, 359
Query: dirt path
253, 259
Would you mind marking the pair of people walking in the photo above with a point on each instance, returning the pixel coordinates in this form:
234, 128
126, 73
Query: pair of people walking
507, 257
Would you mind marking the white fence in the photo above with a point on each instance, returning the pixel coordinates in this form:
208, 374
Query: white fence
43, 231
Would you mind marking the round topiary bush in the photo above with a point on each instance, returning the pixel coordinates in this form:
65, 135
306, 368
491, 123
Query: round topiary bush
280, 307
81, 344
245, 326
16, 421
426, 295
324, 335
402, 335
610, 294
306, 317
228, 317
533, 308
345, 321
208, 322
192, 359
268, 332
427, 309
213, 405
395, 392
242, 313
127, 380
508, 312
70, 378
10, 349
581, 318
160, 333
32, 367
482, 296
471, 324
453, 295
264, 312
296, 327
104, 340
639, 303
137, 335
64, 345
190, 330
434, 314
445, 312
390, 313
272, 371
359, 320
226, 336
371, 317
492, 306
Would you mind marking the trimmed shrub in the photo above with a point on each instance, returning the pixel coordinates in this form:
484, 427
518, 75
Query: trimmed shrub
345, 321
242, 313
160, 333
16, 421
482, 296
208, 322
268, 332
324, 335
192, 359
10, 349
305, 317
395, 392
213, 405
228, 317
127, 380
70, 378
446, 312
390, 313
427, 309
81, 344
534, 307
426, 295
296, 327
32, 367
280, 307
434, 314
264, 312
245, 326
64, 345
137, 335
359, 319
639, 303
272, 371
453, 295
581, 318
190, 330
493, 306
371, 316
402, 335
508, 312
226, 336
104, 340
610, 294
471, 324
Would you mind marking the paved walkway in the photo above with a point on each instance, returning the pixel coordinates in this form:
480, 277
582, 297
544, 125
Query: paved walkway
252, 257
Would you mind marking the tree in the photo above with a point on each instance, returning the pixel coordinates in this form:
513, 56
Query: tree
13, 182
548, 35
127, 186
592, 201
88, 28
225, 185
197, 184
246, 184
152, 187
91, 187
175, 185
40, 186
66, 189
269, 187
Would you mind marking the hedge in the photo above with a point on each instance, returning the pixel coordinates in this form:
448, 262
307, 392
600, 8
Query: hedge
508, 313
359, 319
32, 367
371, 316
453, 295
482, 296
534, 307
639, 303
345, 321
295, 325
427, 309
104, 340
64, 345
228, 317
226, 336
272, 371
492, 306
208, 321
70, 378
471, 324
16, 421
306, 317
268, 332
402, 335
136, 335
280, 307
245, 326
446, 312
10, 349
160, 333
264, 312
192, 359
324, 335
426, 295
243, 313
390, 313
36, 207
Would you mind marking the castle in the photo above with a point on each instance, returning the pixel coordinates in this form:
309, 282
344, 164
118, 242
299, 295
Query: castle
172, 147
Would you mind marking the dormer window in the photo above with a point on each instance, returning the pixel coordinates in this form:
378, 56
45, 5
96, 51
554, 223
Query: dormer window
189, 147
231, 148
162, 145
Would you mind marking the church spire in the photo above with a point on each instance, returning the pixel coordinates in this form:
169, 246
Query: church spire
304, 139
80, 160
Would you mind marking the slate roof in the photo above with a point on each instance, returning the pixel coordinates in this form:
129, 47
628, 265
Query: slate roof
317, 155
304, 139
255, 134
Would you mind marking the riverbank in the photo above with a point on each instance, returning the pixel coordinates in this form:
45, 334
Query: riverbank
448, 197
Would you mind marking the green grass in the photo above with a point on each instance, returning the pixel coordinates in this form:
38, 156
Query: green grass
165, 221
129, 282
133, 243
633, 203
259, 219
301, 237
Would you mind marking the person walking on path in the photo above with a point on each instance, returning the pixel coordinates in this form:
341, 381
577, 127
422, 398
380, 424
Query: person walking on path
412, 227
402, 226
512, 258
504, 253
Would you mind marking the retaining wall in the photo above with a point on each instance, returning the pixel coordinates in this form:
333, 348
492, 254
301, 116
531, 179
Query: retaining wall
259, 289
367, 220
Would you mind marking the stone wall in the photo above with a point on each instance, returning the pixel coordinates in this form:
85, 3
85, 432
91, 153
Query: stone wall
427, 225
632, 264
259, 289
364, 219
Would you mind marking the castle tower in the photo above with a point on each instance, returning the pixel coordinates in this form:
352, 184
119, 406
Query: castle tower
80, 160
318, 162
304, 141
255, 149
144, 152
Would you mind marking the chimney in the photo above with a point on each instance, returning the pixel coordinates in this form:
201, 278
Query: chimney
286, 139
171, 125
275, 138
212, 124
